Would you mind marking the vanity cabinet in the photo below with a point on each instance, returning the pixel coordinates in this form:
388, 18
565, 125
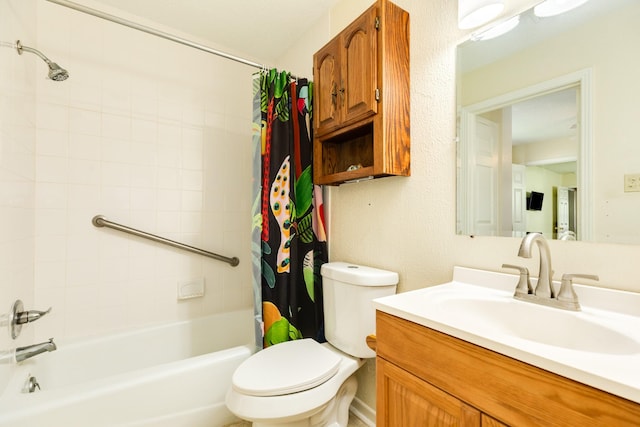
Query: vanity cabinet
361, 99
425, 377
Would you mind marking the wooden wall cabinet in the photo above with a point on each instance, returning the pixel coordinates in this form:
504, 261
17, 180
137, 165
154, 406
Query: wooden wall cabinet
361, 98
427, 378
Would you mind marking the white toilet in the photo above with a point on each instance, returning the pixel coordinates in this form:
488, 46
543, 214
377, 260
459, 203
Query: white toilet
304, 383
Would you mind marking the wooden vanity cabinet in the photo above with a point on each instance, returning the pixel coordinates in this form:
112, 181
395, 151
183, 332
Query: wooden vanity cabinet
427, 378
361, 98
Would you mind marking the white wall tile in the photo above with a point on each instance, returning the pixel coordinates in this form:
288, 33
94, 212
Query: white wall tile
51, 169
143, 199
191, 201
143, 153
127, 136
169, 156
143, 177
85, 95
85, 122
115, 150
82, 146
116, 174
169, 200
144, 130
83, 196
116, 198
169, 178
115, 126
51, 195
52, 142
50, 275
192, 180
83, 171
52, 116
51, 222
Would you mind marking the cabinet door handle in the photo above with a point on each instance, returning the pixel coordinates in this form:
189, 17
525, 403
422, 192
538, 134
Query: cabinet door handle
334, 95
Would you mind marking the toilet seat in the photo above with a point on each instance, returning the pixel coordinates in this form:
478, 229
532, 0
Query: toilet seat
289, 367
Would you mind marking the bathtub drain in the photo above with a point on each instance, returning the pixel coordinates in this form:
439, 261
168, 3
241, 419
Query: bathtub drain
32, 384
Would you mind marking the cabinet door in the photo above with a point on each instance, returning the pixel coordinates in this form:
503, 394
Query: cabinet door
405, 400
327, 83
357, 95
487, 421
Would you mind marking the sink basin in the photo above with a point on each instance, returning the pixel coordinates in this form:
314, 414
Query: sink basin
526, 321
598, 346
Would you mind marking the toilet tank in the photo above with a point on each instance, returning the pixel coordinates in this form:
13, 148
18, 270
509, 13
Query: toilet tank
348, 291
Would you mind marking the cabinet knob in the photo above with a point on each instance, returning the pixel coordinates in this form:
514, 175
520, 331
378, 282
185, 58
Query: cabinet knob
334, 94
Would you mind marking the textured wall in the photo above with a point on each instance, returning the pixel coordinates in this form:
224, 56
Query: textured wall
408, 224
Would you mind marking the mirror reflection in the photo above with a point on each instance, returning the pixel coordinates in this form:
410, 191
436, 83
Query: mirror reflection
547, 141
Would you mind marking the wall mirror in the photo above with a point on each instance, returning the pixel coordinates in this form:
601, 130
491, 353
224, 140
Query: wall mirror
547, 140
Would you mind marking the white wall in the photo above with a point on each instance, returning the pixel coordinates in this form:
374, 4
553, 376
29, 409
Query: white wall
408, 224
151, 134
17, 173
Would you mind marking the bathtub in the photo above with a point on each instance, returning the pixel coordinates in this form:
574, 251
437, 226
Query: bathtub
163, 376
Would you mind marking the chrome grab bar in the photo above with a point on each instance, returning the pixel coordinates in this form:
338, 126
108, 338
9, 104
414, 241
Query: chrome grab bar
101, 221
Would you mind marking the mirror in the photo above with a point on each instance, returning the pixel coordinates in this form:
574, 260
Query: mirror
547, 139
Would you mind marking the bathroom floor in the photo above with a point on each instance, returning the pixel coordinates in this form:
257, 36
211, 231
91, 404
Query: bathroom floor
353, 422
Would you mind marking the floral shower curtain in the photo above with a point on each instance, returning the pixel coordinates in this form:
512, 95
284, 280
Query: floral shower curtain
289, 243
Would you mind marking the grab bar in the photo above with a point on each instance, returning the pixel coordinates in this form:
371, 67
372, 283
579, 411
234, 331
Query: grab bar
101, 221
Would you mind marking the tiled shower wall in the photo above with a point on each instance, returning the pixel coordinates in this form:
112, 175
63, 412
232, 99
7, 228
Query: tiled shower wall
17, 173
151, 134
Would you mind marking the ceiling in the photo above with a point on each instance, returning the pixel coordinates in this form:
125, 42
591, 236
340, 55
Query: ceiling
546, 117
258, 30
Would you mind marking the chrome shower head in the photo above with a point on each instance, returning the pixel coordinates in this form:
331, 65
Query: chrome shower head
56, 72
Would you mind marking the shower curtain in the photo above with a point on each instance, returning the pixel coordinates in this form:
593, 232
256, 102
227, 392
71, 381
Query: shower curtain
289, 244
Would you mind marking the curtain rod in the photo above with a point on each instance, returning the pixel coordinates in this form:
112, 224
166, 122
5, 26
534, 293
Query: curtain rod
154, 32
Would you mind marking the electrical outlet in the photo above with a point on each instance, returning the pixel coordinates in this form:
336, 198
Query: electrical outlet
631, 182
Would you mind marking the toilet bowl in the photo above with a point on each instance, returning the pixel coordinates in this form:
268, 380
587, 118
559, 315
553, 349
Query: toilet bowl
305, 383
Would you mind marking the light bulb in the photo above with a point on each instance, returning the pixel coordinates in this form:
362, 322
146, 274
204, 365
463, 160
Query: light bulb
556, 7
474, 13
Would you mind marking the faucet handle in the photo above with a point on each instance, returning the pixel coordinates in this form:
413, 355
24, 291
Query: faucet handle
30, 316
19, 317
567, 295
524, 284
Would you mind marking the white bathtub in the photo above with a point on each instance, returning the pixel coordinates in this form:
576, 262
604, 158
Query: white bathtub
171, 375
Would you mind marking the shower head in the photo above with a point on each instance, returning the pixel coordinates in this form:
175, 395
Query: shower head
56, 72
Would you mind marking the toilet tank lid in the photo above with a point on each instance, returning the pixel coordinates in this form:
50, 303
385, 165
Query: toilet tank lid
358, 274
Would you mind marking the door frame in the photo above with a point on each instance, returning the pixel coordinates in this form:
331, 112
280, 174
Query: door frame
581, 79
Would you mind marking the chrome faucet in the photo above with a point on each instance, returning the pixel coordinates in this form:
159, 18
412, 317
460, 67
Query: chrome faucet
544, 293
24, 353
544, 287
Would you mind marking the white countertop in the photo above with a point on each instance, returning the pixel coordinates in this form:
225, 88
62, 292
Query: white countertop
611, 316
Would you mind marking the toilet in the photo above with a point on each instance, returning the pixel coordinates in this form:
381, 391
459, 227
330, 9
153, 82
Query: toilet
304, 383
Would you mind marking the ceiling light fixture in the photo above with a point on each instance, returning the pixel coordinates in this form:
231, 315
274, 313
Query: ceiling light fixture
556, 7
497, 30
474, 13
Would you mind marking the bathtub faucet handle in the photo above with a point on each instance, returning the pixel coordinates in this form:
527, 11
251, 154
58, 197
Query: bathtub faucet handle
18, 317
30, 316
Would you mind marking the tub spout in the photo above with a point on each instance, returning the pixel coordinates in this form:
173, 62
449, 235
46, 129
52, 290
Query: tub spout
24, 353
